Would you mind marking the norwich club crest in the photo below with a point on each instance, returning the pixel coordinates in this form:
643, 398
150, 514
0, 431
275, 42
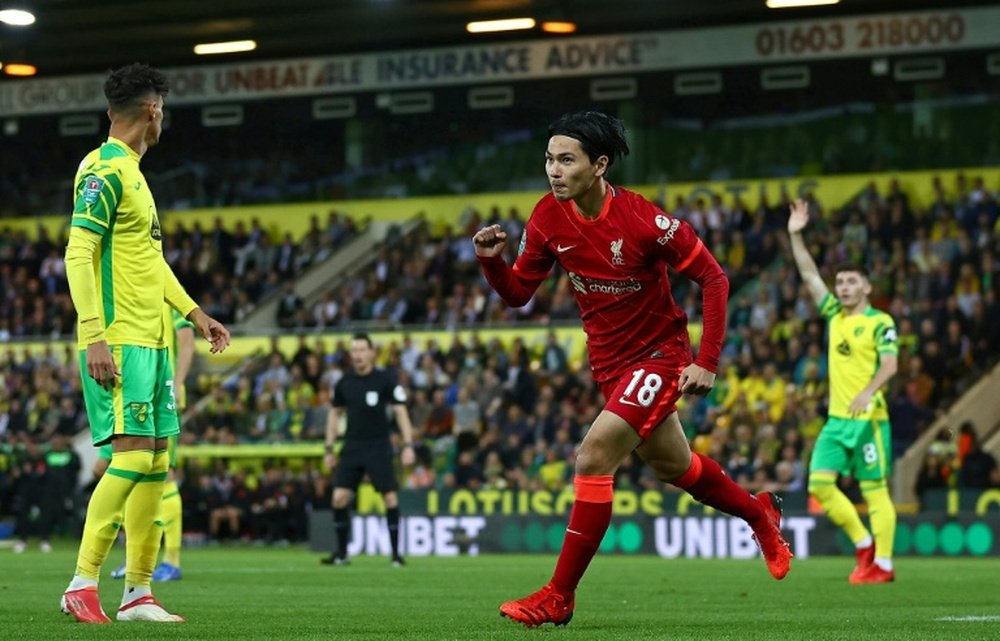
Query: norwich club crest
140, 411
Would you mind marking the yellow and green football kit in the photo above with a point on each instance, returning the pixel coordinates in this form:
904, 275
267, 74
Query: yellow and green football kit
861, 444
119, 296
119, 282
858, 445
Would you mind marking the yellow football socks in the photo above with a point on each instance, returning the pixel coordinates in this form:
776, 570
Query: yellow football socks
170, 515
104, 512
142, 524
823, 485
882, 514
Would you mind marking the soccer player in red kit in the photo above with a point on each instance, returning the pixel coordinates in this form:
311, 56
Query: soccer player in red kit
615, 247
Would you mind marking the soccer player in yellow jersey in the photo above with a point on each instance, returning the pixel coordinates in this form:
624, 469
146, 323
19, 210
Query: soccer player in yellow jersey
119, 282
856, 438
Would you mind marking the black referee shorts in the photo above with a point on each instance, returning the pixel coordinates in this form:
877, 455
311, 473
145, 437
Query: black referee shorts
373, 457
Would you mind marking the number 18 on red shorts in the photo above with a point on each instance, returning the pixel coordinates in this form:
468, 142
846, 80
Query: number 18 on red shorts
645, 394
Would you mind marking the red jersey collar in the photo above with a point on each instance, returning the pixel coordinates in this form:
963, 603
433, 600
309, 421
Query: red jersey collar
608, 195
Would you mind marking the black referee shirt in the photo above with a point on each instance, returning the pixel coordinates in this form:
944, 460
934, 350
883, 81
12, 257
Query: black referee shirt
367, 399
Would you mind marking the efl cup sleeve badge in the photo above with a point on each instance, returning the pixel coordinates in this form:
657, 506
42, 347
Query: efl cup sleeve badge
92, 186
524, 241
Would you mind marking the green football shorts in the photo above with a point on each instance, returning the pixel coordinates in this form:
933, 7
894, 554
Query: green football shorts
860, 447
142, 400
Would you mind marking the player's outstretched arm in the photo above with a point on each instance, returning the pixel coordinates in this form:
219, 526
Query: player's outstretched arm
797, 221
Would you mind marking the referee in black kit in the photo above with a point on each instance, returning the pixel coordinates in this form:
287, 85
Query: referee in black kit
366, 393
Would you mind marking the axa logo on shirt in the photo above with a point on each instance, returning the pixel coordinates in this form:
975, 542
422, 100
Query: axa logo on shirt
670, 226
586, 285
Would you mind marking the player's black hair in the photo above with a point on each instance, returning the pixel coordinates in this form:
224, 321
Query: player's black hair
363, 336
850, 266
128, 86
599, 134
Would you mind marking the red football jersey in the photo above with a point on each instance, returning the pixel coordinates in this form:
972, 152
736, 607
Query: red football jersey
617, 264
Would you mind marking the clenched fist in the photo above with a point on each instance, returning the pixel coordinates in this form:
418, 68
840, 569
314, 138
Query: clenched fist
490, 241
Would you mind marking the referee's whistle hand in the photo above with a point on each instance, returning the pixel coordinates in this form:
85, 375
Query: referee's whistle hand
330, 460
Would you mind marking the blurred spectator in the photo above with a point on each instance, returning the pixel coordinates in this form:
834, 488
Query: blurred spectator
35, 505
978, 468
932, 476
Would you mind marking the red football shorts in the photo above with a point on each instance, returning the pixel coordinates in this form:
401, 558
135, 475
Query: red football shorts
645, 394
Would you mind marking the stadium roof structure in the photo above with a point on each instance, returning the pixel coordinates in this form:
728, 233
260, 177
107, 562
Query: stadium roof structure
75, 37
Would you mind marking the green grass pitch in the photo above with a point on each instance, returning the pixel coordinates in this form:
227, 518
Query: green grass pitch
246, 593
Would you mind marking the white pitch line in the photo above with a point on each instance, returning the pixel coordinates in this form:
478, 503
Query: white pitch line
971, 618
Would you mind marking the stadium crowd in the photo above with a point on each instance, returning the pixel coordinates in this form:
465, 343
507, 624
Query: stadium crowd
509, 415
456, 150
230, 271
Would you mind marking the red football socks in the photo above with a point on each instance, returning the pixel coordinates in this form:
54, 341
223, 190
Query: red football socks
588, 521
708, 483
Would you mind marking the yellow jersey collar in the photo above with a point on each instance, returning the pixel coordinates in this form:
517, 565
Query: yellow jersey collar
862, 313
128, 150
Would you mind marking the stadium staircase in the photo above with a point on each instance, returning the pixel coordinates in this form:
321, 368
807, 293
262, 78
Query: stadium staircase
980, 405
357, 255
